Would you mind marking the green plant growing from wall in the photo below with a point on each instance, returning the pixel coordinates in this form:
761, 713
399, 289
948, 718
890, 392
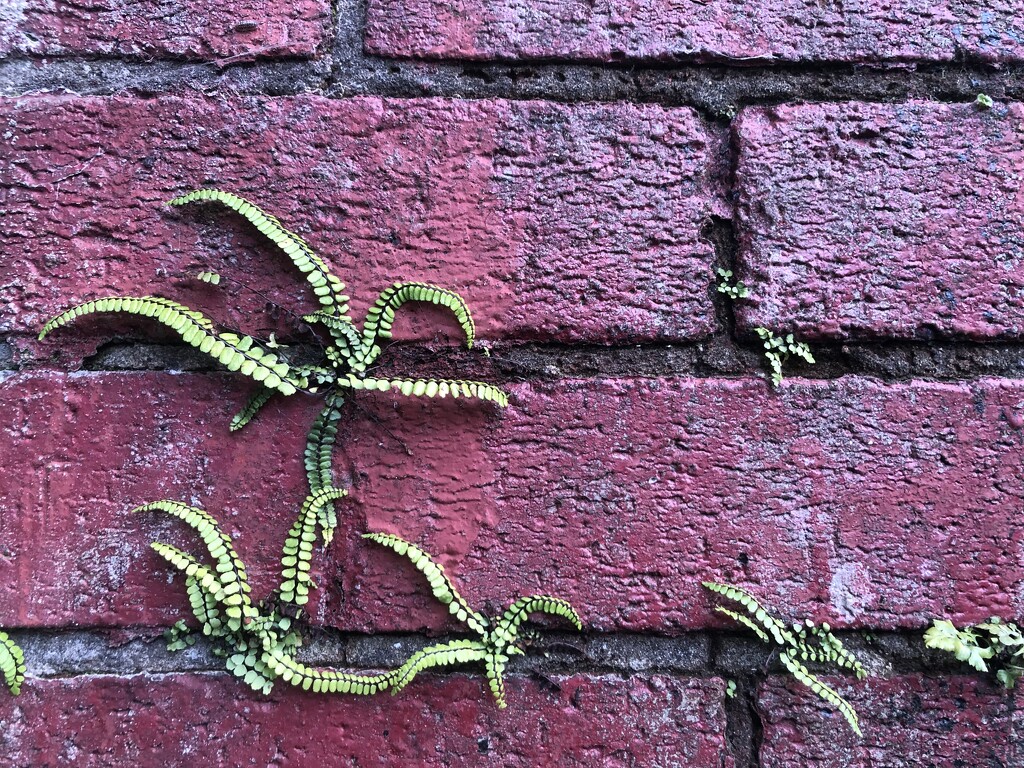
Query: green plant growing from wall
12, 663
993, 642
348, 356
496, 638
777, 351
799, 643
258, 640
734, 290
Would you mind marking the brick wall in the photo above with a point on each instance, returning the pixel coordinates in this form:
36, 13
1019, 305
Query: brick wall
577, 171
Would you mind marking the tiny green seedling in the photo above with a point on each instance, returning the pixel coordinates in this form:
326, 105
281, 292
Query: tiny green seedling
733, 290
777, 351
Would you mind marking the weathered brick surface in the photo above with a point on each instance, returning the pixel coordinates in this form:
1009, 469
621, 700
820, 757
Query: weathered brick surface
556, 222
193, 29
852, 501
208, 719
909, 721
886, 220
672, 30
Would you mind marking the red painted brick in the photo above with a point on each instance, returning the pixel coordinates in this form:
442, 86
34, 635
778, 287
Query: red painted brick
697, 30
895, 220
193, 29
178, 720
556, 222
851, 501
908, 721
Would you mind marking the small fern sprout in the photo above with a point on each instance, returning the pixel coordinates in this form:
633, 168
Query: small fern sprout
496, 638
777, 350
802, 642
734, 290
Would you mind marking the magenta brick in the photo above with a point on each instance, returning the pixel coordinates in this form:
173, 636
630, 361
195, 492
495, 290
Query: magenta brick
697, 30
555, 222
208, 719
192, 29
882, 220
909, 721
849, 501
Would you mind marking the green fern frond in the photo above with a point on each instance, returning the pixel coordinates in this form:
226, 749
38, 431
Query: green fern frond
494, 669
297, 554
440, 585
192, 568
773, 626
381, 316
322, 680
12, 662
348, 343
317, 459
805, 642
253, 406
507, 628
234, 352
429, 388
821, 690
442, 655
230, 568
204, 608
329, 290
745, 621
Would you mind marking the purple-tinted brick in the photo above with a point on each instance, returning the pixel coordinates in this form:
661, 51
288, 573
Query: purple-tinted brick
908, 721
190, 29
882, 220
554, 221
850, 501
697, 30
207, 719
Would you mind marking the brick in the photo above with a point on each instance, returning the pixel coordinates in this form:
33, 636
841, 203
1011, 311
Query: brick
555, 222
909, 721
882, 220
849, 501
193, 29
694, 30
210, 719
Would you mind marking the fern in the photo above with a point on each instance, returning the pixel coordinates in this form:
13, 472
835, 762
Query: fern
799, 643
496, 639
348, 357
777, 351
329, 290
982, 644
318, 463
257, 641
12, 662
236, 353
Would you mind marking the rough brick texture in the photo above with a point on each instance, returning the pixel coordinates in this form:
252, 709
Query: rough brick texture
909, 721
555, 222
179, 720
701, 30
193, 29
851, 501
882, 220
